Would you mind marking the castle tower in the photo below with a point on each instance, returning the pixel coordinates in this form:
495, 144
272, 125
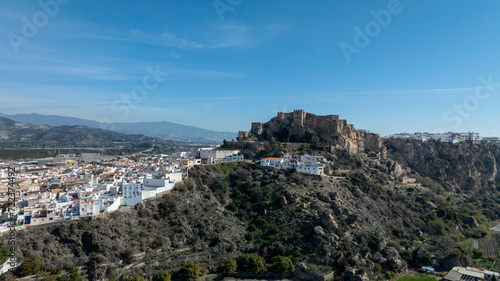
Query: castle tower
281, 115
298, 117
242, 135
257, 128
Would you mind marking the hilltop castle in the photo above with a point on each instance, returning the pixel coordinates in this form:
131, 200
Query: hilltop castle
297, 123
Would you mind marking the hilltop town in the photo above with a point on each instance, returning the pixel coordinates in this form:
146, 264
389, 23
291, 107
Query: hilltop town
70, 187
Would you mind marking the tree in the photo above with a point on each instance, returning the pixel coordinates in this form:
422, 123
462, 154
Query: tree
228, 266
190, 271
164, 276
30, 265
282, 265
251, 263
54, 186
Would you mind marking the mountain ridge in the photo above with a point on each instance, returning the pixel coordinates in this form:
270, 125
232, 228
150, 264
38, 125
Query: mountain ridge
18, 134
161, 129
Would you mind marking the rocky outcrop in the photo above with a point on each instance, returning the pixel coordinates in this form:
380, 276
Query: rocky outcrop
461, 166
328, 221
353, 275
394, 260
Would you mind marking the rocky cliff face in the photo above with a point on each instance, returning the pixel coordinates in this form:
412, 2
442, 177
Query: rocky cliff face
462, 166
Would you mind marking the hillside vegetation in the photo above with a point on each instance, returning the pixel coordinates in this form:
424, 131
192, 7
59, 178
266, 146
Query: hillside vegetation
364, 221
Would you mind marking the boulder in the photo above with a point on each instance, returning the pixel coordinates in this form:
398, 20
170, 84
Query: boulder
328, 221
318, 230
393, 261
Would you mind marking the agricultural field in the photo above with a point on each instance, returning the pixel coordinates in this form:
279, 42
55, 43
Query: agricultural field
491, 246
414, 276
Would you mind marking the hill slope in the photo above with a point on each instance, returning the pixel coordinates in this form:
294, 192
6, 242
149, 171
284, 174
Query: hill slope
361, 223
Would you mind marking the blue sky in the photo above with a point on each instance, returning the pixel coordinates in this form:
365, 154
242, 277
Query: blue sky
222, 69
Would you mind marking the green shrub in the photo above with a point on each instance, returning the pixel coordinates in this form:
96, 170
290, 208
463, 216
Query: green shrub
164, 276
57, 271
80, 224
30, 265
282, 265
232, 207
190, 271
228, 266
251, 263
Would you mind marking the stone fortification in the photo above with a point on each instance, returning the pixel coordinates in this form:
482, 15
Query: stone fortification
297, 123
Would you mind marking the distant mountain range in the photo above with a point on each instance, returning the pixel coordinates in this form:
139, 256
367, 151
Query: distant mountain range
13, 133
162, 129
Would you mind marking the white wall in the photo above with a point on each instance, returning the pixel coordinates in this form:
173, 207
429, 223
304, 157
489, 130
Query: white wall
131, 201
155, 182
113, 207
175, 177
